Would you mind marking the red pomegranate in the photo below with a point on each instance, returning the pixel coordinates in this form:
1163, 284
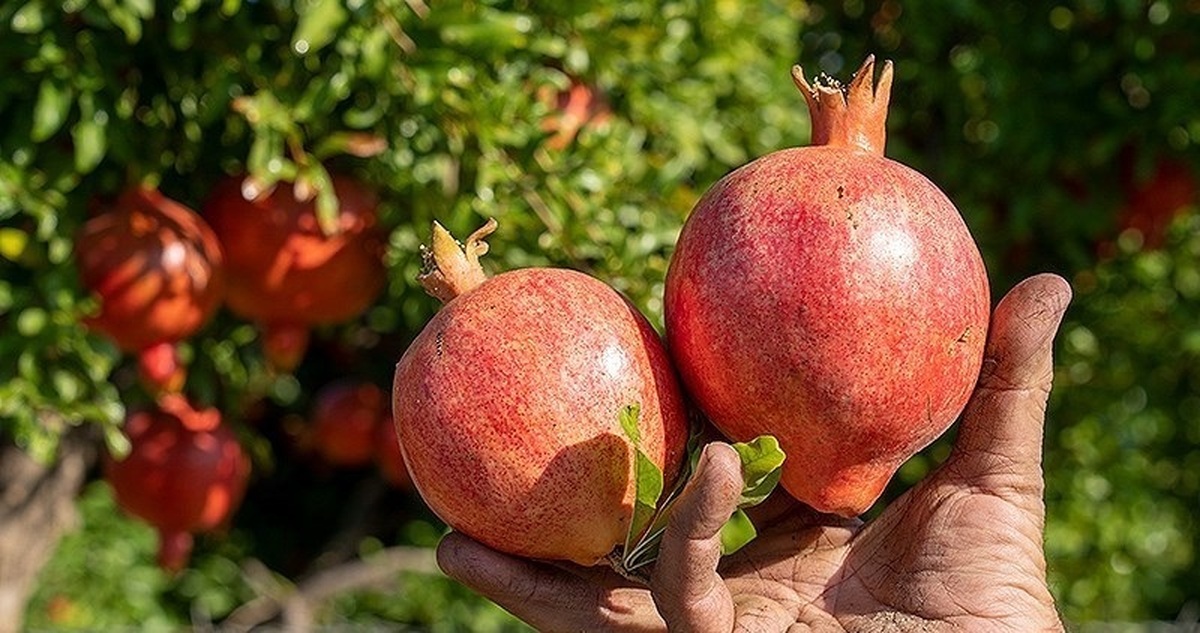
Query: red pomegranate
830, 297
573, 109
289, 275
345, 420
185, 474
388, 457
507, 405
157, 269
1151, 204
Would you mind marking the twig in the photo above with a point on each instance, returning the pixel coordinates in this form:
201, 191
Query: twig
297, 606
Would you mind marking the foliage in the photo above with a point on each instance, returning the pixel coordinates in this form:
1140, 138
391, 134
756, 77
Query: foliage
1123, 531
1035, 117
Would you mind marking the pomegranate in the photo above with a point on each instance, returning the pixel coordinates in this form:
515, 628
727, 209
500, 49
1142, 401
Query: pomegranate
289, 275
1151, 204
388, 457
345, 420
830, 297
508, 403
185, 473
576, 107
157, 270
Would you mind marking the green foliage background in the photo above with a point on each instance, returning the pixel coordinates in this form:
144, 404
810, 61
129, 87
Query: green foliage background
1025, 113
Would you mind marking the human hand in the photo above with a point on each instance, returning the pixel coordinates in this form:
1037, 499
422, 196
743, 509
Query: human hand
962, 550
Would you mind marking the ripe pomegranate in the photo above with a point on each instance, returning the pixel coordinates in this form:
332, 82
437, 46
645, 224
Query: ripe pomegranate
1151, 204
830, 297
576, 107
388, 457
157, 269
289, 275
507, 405
185, 473
345, 420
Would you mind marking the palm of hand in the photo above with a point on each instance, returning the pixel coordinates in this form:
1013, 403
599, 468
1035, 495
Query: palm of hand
934, 560
960, 551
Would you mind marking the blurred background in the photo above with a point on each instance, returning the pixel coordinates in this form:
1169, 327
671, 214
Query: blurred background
1066, 132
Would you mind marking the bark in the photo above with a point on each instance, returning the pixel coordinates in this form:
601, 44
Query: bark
37, 506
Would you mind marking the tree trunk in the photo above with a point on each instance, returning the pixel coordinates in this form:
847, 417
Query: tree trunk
37, 505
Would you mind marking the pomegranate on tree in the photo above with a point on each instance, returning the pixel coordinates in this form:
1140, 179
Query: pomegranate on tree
388, 457
831, 297
345, 422
572, 109
185, 474
288, 274
157, 270
508, 405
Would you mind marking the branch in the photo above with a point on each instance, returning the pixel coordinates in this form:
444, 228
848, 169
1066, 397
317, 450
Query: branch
297, 604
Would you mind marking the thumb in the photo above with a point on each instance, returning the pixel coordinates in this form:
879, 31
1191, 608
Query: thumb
999, 445
689, 594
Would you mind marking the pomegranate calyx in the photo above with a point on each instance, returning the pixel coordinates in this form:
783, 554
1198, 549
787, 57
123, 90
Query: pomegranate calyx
450, 269
853, 115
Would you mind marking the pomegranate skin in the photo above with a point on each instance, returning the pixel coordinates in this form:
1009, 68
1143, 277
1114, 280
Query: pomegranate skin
185, 473
156, 267
345, 418
283, 269
835, 299
507, 409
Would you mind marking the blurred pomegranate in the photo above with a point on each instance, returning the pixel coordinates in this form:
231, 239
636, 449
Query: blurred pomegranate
345, 422
185, 474
157, 269
572, 110
1152, 203
285, 272
388, 457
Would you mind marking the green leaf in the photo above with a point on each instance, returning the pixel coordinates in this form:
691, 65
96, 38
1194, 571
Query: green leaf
50, 111
327, 200
13, 243
648, 480
91, 143
736, 533
318, 25
762, 465
629, 423
30, 18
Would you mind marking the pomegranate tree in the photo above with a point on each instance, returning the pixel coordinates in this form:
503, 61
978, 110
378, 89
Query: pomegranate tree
508, 405
831, 297
286, 272
185, 473
156, 268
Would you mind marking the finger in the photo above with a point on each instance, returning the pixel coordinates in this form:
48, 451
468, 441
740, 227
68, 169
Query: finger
547, 597
999, 445
687, 590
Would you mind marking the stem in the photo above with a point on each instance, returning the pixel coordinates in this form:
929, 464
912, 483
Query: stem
852, 116
451, 269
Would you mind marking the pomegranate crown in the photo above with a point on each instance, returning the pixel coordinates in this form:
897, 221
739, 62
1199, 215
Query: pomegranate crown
449, 269
851, 115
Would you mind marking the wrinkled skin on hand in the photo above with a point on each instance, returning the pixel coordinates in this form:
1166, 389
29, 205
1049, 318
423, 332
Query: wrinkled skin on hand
961, 551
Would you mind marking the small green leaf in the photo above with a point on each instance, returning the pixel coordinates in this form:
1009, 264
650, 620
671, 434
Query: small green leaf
649, 486
50, 111
736, 533
762, 465
91, 143
648, 483
629, 423
30, 18
12, 243
318, 25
